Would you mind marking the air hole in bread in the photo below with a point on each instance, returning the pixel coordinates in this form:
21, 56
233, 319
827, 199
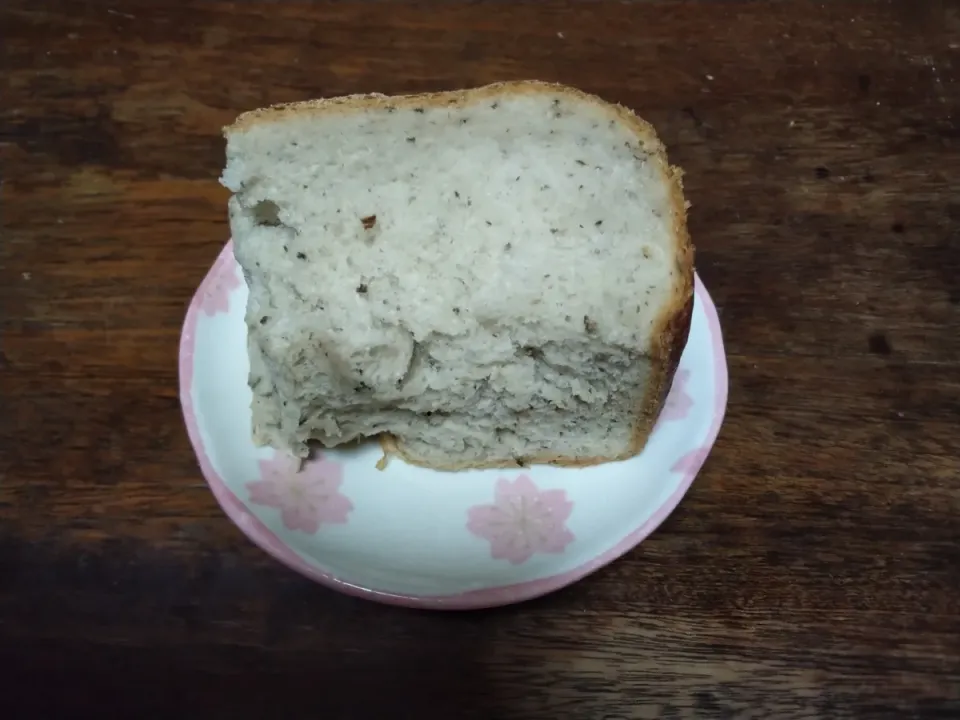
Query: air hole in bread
266, 213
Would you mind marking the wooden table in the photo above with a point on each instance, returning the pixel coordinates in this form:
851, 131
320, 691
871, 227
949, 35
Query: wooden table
813, 570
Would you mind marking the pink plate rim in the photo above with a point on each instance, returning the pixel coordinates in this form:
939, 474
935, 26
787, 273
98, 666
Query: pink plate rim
268, 541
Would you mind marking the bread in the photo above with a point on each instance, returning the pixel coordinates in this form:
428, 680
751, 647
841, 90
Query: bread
492, 277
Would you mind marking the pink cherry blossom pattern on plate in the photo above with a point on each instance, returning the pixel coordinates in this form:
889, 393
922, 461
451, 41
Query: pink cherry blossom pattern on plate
522, 520
306, 499
690, 463
216, 296
679, 401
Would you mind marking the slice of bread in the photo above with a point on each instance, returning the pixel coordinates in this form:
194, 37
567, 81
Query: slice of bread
494, 277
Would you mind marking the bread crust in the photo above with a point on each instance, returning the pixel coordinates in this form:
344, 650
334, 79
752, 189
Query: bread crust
672, 326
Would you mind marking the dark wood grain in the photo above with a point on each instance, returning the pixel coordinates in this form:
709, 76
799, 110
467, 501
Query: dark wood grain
812, 572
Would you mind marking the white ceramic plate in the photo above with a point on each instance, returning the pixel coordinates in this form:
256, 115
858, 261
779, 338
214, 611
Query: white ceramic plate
422, 538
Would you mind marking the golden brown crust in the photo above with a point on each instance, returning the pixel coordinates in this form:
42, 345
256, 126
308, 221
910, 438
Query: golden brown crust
391, 446
672, 326
372, 101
